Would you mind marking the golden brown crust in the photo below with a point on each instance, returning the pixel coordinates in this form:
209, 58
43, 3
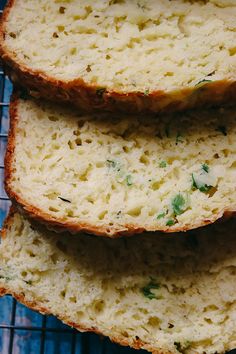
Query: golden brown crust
135, 343
90, 97
59, 224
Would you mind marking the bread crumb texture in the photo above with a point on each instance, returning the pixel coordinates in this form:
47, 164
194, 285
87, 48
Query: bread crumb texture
120, 173
173, 294
126, 46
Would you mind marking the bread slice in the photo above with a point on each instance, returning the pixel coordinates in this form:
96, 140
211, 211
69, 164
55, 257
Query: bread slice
140, 55
112, 175
165, 295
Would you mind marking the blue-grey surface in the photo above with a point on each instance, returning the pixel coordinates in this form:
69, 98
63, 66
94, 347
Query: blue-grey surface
20, 328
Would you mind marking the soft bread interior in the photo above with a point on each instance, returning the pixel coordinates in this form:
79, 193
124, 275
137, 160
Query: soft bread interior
113, 174
125, 46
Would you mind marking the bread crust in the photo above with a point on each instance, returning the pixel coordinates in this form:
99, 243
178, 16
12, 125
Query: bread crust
85, 96
58, 224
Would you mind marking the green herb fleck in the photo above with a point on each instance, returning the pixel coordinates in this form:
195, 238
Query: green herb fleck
222, 129
205, 167
141, 6
147, 290
6, 278
178, 204
65, 200
128, 180
100, 92
146, 92
161, 215
179, 139
204, 81
170, 222
29, 282
177, 345
201, 186
112, 163
162, 164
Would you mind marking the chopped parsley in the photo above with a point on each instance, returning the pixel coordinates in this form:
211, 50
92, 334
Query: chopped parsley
204, 81
161, 215
205, 167
64, 200
100, 92
170, 222
7, 278
112, 163
203, 187
146, 92
222, 129
29, 282
147, 290
178, 204
162, 164
177, 345
128, 180
198, 181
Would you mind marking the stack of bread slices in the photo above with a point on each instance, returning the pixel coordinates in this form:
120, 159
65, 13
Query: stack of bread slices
123, 122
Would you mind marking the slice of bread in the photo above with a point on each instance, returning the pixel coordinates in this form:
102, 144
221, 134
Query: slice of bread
165, 295
140, 55
112, 175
